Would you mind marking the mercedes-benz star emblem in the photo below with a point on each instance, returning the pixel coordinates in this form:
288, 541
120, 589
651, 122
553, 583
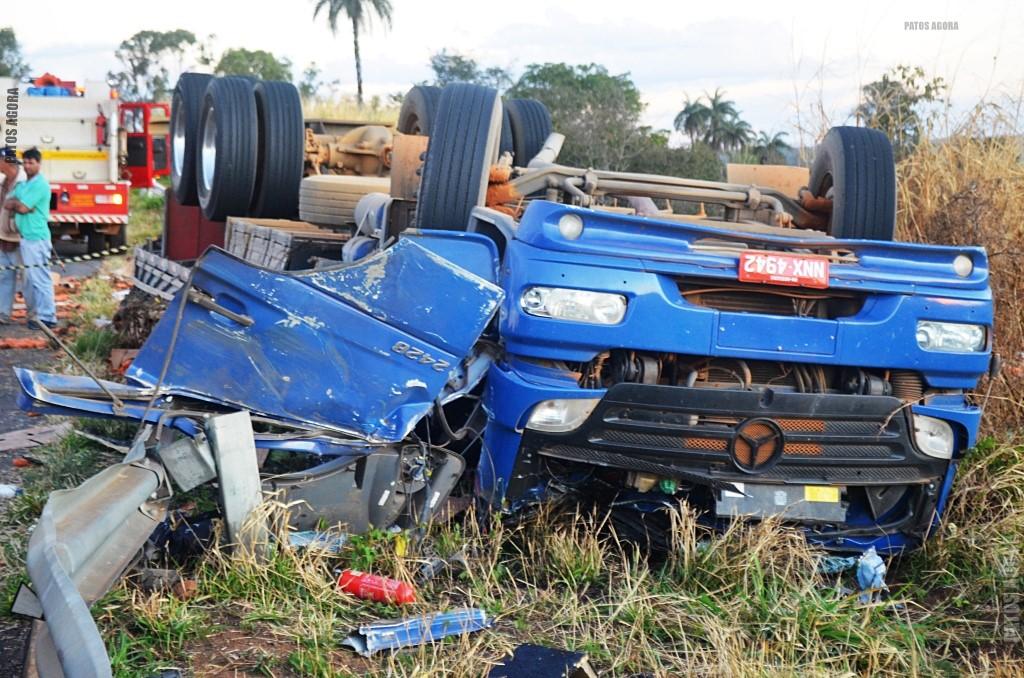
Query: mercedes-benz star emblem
756, 445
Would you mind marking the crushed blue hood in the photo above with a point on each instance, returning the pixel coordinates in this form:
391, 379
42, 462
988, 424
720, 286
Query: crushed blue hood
362, 349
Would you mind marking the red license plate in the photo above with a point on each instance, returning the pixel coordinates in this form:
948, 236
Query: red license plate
783, 269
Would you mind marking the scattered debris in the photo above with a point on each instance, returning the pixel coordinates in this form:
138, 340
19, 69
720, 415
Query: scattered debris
321, 541
393, 634
25, 462
537, 661
155, 579
24, 343
33, 437
835, 564
9, 491
377, 588
871, 575
435, 566
136, 317
121, 359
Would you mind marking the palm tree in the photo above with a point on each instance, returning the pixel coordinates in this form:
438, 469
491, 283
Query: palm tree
736, 133
358, 12
770, 148
693, 119
721, 111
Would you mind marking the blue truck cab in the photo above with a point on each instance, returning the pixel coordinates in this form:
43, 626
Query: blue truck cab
640, 368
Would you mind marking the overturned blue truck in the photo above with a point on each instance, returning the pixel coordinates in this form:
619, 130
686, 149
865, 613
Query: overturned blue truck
535, 331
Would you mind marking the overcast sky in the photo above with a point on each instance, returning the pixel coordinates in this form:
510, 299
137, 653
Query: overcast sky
772, 58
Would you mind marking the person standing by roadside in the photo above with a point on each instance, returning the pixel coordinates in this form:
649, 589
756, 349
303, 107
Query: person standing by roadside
30, 202
10, 174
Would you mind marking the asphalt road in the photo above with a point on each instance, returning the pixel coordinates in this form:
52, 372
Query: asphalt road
14, 632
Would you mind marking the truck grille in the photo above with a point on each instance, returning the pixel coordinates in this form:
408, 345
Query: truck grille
769, 299
845, 439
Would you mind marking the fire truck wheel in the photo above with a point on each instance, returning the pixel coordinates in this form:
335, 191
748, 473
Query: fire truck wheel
95, 240
281, 149
531, 125
118, 239
854, 166
227, 149
330, 200
419, 109
463, 146
185, 111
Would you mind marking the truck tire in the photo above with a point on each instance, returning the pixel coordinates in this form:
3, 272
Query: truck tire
185, 111
419, 109
280, 150
95, 239
856, 165
227, 150
118, 239
463, 146
531, 125
330, 200
505, 145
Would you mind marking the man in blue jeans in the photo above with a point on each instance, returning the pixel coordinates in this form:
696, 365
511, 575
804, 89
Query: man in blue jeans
10, 258
30, 202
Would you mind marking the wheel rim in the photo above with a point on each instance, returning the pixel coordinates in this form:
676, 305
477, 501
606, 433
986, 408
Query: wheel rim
209, 151
178, 139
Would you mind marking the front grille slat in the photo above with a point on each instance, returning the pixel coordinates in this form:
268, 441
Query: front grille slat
769, 299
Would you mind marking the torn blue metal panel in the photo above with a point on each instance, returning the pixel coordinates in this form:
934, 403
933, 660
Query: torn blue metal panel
80, 397
362, 349
391, 635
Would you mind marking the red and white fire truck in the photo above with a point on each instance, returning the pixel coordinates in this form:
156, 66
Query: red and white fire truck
94, 149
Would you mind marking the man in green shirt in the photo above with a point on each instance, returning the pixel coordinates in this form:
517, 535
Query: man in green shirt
30, 202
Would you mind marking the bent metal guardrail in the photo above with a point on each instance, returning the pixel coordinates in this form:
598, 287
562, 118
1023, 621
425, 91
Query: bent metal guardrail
85, 539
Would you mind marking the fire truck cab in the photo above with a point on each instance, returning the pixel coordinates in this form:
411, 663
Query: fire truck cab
144, 130
76, 130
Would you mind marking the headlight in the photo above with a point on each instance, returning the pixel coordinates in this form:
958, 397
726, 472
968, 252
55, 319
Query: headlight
962, 265
601, 308
950, 337
570, 226
933, 436
561, 415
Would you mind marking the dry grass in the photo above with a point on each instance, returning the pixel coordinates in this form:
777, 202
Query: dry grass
746, 603
346, 108
968, 189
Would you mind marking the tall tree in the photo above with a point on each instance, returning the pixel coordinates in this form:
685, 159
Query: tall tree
735, 133
770, 149
359, 13
721, 111
148, 60
713, 120
692, 120
12, 65
256, 63
894, 105
599, 113
451, 67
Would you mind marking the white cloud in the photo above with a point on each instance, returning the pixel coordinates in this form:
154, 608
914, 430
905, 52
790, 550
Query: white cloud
768, 56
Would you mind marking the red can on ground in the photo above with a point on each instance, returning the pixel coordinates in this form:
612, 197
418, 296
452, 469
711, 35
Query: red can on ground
377, 588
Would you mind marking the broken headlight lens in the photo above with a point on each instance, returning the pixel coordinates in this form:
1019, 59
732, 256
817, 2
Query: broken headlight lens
933, 436
600, 308
950, 337
560, 415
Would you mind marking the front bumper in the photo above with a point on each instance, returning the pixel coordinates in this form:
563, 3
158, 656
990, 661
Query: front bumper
862, 445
